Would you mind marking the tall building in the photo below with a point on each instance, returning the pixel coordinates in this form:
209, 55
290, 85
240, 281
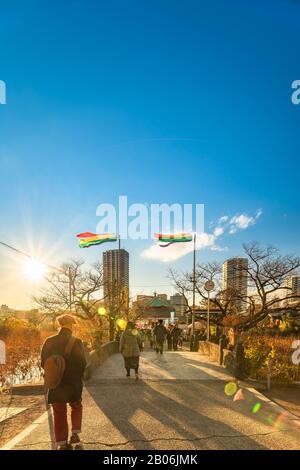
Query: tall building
178, 302
235, 278
115, 274
293, 283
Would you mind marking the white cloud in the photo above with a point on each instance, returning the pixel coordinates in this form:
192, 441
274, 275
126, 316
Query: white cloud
223, 219
178, 250
243, 221
203, 240
170, 253
218, 231
219, 248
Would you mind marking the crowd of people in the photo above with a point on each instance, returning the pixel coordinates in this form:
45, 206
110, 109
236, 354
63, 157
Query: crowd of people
172, 334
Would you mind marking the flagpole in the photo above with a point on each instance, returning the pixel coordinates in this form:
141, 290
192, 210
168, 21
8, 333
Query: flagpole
70, 288
194, 287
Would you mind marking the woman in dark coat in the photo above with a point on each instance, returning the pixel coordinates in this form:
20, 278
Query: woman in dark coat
130, 346
70, 388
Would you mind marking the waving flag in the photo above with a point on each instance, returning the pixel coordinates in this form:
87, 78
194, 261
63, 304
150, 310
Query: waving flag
168, 239
87, 239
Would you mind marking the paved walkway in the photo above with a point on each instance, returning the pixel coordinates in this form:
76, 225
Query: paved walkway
179, 403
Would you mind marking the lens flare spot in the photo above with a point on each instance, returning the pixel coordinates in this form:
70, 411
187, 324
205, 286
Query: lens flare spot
270, 420
280, 423
121, 323
256, 408
239, 395
101, 311
230, 388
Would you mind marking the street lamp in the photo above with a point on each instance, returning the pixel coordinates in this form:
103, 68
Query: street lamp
208, 286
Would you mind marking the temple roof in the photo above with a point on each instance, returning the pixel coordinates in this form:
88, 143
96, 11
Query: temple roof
156, 302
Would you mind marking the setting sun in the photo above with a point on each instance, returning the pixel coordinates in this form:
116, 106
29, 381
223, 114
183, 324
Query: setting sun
34, 270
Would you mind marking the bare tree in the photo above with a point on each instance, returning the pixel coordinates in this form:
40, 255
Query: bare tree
267, 272
182, 282
267, 290
137, 310
222, 299
86, 291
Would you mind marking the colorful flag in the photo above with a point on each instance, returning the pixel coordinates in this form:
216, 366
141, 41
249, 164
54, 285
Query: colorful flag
87, 239
169, 239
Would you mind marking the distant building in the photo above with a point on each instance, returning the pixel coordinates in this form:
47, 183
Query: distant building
4, 310
141, 298
235, 279
7, 312
293, 283
178, 302
157, 308
32, 315
115, 273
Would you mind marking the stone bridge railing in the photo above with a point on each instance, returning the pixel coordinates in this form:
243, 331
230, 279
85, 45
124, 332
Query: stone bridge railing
210, 349
98, 356
222, 356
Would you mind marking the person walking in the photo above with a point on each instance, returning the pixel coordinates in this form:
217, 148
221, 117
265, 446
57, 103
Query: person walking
176, 332
160, 333
152, 342
130, 346
70, 351
169, 337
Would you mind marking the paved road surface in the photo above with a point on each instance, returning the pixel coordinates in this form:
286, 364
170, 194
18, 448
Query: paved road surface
179, 403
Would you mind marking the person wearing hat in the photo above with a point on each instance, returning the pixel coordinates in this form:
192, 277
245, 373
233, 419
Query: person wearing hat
70, 387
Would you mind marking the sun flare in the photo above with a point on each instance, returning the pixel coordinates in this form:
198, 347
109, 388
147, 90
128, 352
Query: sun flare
34, 270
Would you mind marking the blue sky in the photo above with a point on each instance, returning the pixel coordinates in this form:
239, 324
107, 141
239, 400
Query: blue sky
162, 101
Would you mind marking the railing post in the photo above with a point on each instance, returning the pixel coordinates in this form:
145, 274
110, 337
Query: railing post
220, 352
269, 373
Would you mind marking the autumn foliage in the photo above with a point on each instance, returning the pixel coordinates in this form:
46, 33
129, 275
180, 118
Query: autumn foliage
23, 343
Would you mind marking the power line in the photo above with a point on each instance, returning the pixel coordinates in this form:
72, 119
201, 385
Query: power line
16, 250
150, 285
20, 252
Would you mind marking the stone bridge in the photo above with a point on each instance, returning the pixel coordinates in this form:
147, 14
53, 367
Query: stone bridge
180, 402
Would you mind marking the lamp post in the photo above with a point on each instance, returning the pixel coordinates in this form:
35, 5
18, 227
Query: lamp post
194, 287
208, 286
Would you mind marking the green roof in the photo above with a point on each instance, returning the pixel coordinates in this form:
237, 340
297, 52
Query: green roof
156, 302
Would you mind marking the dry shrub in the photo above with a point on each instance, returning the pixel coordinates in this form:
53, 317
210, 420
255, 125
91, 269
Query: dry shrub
258, 348
23, 343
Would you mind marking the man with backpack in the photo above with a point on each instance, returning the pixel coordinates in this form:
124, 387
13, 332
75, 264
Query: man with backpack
64, 363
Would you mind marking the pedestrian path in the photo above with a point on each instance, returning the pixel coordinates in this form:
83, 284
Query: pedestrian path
182, 401
175, 365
